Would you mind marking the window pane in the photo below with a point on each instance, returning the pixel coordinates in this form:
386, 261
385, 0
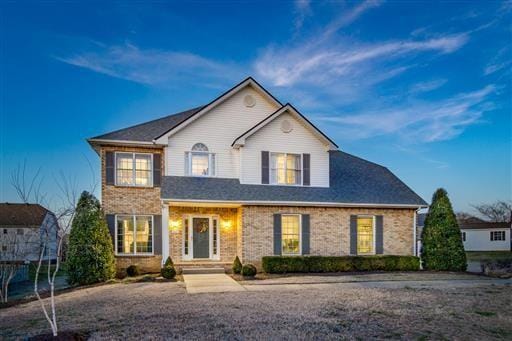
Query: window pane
125, 241
185, 237
364, 235
290, 234
142, 170
200, 164
124, 169
144, 235
214, 237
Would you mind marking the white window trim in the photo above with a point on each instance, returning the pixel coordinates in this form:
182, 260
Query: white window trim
285, 156
300, 235
135, 253
151, 170
189, 218
210, 169
374, 250
501, 233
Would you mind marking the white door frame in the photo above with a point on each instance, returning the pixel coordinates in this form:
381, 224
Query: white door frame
212, 219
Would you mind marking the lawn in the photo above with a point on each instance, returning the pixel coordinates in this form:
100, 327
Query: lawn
165, 310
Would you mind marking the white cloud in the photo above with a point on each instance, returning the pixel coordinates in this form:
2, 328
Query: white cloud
427, 86
302, 10
420, 121
151, 66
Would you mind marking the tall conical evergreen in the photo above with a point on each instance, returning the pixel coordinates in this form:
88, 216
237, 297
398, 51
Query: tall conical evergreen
441, 238
90, 253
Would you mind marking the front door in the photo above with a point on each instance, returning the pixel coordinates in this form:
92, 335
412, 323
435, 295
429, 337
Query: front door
201, 237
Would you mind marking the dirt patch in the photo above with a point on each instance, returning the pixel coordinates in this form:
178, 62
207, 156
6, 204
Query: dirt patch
62, 336
163, 310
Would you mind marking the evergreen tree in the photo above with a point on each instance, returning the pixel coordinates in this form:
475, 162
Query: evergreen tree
441, 238
90, 252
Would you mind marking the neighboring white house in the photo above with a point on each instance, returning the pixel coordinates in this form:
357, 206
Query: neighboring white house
24, 229
486, 236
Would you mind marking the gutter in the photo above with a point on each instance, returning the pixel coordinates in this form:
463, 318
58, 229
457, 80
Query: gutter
292, 203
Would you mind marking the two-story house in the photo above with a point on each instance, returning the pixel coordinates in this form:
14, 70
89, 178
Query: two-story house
246, 175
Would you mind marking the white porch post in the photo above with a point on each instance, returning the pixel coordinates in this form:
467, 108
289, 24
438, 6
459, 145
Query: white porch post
165, 232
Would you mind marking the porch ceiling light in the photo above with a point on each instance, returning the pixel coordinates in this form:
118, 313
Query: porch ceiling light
226, 224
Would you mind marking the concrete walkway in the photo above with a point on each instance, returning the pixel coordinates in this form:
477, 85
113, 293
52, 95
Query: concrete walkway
203, 283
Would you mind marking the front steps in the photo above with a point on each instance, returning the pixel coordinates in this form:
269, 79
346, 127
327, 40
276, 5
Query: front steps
199, 270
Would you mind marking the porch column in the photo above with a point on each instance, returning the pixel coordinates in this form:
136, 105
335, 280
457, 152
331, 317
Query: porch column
165, 232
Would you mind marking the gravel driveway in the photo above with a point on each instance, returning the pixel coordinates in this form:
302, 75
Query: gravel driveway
165, 310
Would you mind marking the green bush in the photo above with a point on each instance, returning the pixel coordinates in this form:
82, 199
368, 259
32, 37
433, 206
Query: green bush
237, 265
280, 264
132, 270
168, 271
442, 248
90, 257
249, 270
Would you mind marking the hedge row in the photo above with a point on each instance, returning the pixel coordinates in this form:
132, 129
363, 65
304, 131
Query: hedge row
281, 264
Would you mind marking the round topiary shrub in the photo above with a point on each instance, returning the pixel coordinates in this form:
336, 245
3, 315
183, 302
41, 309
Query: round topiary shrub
237, 265
248, 270
132, 270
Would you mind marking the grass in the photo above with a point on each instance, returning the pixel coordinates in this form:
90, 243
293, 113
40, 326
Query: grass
488, 255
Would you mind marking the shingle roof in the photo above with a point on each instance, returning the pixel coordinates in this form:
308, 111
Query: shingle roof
352, 181
21, 214
484, 225
146, 132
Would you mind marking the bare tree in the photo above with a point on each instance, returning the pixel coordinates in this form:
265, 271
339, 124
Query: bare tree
499, 211
464, 217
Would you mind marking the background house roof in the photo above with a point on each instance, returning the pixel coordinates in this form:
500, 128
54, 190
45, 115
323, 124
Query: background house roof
484, 225
352, 181
146, 132
16, 215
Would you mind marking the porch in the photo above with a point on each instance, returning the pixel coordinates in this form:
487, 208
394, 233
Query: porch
200, 235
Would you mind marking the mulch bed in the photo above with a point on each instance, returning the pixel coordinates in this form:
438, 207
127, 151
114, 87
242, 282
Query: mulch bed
67, 335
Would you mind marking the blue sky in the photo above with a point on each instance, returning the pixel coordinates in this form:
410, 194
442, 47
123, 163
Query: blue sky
423, 88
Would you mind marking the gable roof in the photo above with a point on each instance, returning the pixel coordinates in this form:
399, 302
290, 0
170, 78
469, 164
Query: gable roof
17, 215
353, 182
146, 132
249, 81
484, 225
240, 140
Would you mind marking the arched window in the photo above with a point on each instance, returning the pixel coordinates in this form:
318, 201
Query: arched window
199, 147
199, 161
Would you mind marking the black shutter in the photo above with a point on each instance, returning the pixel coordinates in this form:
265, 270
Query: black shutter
111, 222
306, 169
379, 235
265, 170
157, 169
277, 234
109, 168
353, 235
157, 234
305, 234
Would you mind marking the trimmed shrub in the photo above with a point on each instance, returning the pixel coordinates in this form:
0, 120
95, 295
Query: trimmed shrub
132, 270
249, 270
90, 257
237, 265
168, 271
442, 248
280, 264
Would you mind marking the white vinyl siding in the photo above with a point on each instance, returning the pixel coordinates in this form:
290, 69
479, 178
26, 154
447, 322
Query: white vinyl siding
299, 141
218, 129
480, 240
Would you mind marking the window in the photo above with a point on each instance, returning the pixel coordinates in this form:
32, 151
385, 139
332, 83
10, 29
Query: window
199, 161
134, 169
365, 235
285, 169
215, 240
497, 235
20, 232
290, 234
463, 236
134, 234
185, 236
